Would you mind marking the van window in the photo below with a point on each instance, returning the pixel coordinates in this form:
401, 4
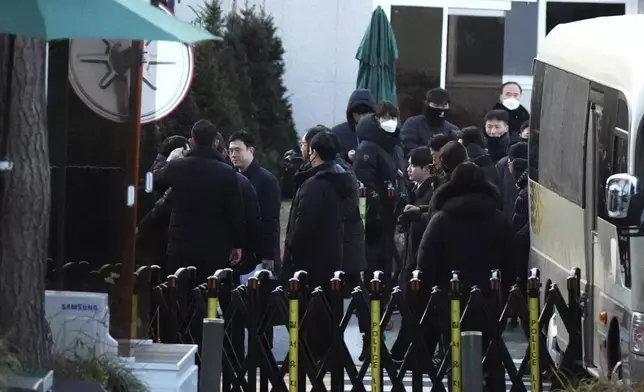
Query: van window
535, 120
560, 145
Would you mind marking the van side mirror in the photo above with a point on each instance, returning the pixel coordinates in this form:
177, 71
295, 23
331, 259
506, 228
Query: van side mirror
622, 199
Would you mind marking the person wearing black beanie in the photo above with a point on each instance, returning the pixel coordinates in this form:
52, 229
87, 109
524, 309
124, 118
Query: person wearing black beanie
518, 156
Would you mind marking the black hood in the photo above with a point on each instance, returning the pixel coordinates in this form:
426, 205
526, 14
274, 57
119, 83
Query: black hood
369, 129
522, 182
360, 97
340, 179
478, 199
479, 155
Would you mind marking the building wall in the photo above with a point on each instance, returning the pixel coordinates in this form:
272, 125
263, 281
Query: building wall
320, 39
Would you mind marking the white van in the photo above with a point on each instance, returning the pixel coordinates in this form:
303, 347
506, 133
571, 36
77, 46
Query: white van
586, 178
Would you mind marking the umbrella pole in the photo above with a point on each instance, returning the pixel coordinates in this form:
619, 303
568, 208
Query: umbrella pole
57, 119
5, 163
126, 279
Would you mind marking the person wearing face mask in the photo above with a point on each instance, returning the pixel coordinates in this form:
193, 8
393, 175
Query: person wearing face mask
510, 101
388, 114
418, 130
376, 168
360, 104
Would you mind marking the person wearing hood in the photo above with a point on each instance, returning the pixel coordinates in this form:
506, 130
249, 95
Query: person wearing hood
360, 104
469, 234
496, 134
418, 130
474, 141
509, 169
510, 101
376, 168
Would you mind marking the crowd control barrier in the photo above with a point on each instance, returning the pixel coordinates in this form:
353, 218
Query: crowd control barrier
315, 318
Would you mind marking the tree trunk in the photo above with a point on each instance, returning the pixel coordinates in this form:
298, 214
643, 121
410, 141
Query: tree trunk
25, 204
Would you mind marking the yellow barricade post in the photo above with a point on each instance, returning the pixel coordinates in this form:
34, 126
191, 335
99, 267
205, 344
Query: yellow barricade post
376, 332
213, 291
534, 285
455, 324
293, 333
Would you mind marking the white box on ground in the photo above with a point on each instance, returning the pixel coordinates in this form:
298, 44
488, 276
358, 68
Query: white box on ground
166, 367
80, 321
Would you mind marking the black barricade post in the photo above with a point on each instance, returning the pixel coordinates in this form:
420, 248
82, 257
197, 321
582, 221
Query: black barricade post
573, 358
212, 341
535, 332
455, 325
376, 332
173, 326
222, 285
337, 310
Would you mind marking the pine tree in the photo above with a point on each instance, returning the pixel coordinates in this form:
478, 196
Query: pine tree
258, 53
214, 87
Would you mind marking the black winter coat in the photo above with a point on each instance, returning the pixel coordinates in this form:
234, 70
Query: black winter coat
509, 186
497, 147
353, 251
467, 233
375, 167
315, 231
416, 132
346, 131
208, 217
270, 203
480, 156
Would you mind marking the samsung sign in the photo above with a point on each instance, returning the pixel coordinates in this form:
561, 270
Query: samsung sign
80, 307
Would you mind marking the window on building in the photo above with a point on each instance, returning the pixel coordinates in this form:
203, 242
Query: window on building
564, 108
566, 12
418, 33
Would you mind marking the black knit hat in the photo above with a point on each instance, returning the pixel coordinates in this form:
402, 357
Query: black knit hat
452, 154
473, 135
518, 150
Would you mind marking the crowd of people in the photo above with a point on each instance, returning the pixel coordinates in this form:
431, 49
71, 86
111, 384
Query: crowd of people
459, 195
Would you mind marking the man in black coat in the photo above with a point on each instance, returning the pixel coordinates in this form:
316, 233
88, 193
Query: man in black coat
360, 104
510, 101
207, 222
518, 154
314, 236
353, 260
469, 234
418, 130
242, 147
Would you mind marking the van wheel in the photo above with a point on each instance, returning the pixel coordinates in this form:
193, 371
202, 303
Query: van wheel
614, 352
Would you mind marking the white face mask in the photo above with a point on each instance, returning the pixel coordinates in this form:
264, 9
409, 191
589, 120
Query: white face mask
389, 126
511, 103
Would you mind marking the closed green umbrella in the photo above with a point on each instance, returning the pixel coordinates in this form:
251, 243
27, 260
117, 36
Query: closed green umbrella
378, 53
100, 19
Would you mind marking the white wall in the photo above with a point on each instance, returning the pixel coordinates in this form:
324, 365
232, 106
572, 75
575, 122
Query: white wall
320, 38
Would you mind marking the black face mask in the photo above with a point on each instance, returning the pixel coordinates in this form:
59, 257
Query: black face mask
435, 116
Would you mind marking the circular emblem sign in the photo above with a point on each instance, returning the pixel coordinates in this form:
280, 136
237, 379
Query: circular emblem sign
99, 72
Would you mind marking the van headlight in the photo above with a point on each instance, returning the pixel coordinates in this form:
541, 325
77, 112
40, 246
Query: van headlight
637, 333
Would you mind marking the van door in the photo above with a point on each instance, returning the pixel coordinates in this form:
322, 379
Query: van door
591, 195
